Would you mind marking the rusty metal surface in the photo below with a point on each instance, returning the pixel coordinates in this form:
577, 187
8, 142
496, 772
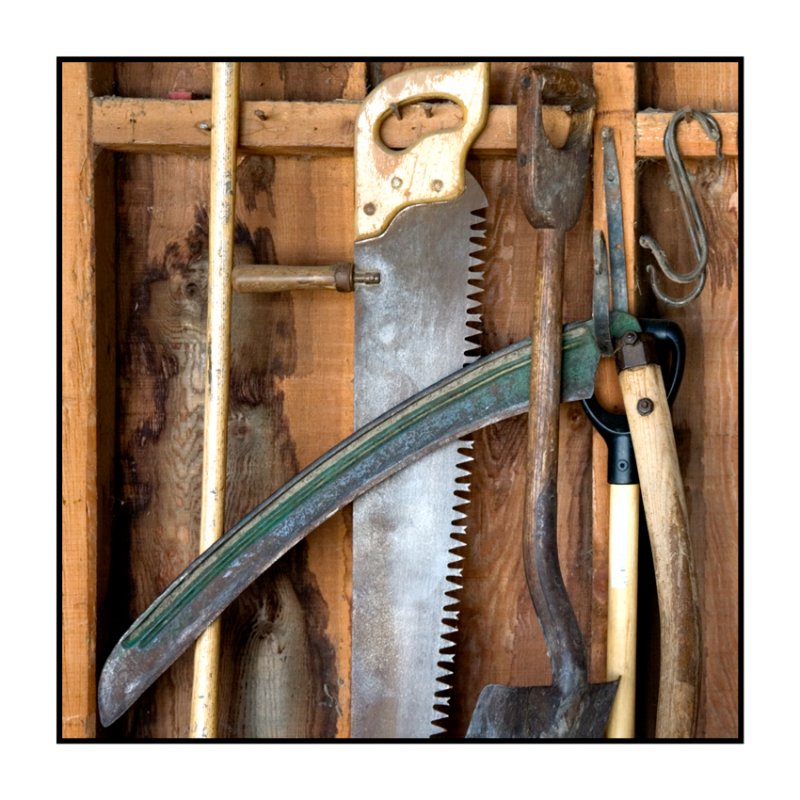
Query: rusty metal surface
411, 331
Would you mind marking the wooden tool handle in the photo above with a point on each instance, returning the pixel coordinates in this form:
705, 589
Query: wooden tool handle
668, 525
623, 553
562, 633
222, 214
432, 169
551, 179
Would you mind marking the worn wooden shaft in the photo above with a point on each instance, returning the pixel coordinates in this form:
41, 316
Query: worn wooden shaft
556, 615
668, 525
623, 553
224, 135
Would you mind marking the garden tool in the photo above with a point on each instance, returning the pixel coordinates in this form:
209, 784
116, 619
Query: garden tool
623, 532
653, 441
635, 344
624, 494
415, 227
491, 389
552, 183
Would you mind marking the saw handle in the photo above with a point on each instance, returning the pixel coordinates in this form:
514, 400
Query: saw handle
430, 170
648, 413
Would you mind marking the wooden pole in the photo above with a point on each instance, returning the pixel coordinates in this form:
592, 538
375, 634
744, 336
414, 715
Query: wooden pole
623, 583
224, 137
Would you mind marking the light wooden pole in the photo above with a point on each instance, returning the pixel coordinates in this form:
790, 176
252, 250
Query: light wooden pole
623, 583
222, 215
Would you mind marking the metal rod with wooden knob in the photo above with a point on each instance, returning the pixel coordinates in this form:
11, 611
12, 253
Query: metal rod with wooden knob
222, 215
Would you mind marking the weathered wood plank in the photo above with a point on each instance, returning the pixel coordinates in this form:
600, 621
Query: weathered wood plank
87, 387
691, 138
285, 663
294, 354
706, 412
78, 414
292, 128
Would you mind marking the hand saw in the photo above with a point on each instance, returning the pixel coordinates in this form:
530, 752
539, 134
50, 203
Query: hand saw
415, 225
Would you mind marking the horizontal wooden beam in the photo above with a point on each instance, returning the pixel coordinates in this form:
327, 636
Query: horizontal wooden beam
692, 140
286, 128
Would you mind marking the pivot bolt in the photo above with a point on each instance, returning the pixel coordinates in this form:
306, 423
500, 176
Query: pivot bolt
630, 337
645, 406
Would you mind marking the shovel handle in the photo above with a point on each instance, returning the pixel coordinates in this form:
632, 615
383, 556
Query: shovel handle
563, 637
664, 502
623, 572
432, 169
551, 185
552, 180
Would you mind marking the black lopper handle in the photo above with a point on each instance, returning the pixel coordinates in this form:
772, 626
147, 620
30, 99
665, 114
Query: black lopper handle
613, 427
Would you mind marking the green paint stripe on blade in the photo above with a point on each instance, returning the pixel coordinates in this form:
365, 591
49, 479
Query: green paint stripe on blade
494, 382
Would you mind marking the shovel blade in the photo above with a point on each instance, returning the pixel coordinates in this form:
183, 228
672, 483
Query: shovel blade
542, 712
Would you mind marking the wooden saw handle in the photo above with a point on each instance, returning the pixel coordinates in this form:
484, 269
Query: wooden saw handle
664, 501
432, 169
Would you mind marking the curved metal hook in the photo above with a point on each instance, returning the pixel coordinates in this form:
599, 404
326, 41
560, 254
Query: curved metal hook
691, 213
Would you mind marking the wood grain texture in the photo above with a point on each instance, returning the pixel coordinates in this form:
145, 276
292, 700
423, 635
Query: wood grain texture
292, 388
672, 550
87, 396
706, 411
78, 416
286, 368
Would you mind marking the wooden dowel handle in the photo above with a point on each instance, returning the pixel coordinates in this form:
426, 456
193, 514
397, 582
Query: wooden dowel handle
224, 137
668, 525
623, 574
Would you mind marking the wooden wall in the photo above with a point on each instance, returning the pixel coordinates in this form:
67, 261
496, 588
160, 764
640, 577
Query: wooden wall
286, 641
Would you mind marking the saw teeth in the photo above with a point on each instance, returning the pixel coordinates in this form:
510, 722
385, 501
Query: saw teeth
465, 468
475, 269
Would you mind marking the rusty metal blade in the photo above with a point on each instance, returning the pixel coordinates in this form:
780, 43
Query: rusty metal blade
542, 712
487, 391
411, 331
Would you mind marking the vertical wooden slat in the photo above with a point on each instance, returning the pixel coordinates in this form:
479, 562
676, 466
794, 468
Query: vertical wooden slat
78, 410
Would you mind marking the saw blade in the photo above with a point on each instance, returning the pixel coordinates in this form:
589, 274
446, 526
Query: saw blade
412, 330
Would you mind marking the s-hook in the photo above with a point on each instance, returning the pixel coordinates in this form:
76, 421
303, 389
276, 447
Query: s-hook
691, 213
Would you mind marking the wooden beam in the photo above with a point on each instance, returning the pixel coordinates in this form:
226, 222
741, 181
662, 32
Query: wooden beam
78, 412
286, 128
692, 140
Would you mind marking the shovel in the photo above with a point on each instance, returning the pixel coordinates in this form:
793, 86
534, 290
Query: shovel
552, 184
